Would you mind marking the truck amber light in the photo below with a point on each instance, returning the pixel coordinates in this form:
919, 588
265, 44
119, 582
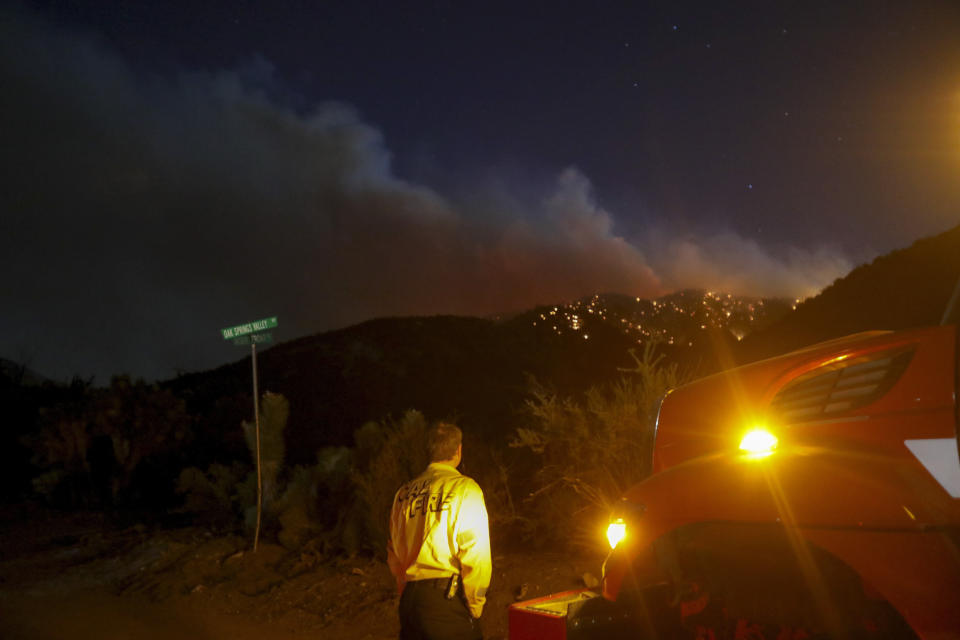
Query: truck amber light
758, 443
616, 531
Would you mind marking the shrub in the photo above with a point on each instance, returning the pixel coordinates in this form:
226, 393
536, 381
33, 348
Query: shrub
317, 501
142, 421
92, 443
333, 486
592, 450
499, 473
274, 412
387, 455
296, 508
212, 496
265, 442
60, 448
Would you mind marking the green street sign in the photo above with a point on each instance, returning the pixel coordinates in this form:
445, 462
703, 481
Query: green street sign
253, 338
251, 327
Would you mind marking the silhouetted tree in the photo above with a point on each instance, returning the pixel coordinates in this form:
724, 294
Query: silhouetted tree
591, 451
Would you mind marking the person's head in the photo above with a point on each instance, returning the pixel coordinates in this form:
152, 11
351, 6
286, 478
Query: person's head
444, 443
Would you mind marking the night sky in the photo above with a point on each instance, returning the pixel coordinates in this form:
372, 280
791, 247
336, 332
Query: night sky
171, 168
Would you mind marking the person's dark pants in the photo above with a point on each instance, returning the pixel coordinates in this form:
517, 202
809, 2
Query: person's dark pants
426, 614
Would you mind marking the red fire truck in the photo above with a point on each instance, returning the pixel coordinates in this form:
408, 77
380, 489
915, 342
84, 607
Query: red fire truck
816, 494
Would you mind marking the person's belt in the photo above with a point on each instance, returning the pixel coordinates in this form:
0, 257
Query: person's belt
436, 583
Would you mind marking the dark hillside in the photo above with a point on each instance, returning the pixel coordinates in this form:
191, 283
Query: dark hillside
474, 370
470, 369
906, 288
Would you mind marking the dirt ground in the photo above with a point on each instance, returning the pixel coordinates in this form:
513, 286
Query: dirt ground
74, 576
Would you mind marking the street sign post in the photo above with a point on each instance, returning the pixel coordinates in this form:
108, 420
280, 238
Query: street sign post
254, 333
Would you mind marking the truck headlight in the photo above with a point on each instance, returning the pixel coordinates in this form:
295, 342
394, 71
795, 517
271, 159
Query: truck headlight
758, 443
616, 531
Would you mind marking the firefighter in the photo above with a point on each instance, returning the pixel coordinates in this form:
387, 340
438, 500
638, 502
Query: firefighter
439, 547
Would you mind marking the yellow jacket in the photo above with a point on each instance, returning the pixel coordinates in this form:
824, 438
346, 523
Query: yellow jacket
438, 527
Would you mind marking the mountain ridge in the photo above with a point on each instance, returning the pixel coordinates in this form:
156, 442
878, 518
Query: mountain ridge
905, 288
474, 370
478, 370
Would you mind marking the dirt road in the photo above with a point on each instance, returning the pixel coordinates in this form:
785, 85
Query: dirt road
76, 577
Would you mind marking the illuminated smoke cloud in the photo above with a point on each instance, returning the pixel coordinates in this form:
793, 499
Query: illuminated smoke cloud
730, 263
146, 212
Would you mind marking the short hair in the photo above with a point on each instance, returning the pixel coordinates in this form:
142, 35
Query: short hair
443, 441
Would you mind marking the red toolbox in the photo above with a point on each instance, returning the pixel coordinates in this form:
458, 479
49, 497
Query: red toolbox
567, 615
